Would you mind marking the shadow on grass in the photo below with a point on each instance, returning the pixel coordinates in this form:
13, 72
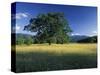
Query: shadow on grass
32, 62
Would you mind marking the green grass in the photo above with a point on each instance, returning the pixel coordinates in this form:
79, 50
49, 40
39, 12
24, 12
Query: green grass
55, 57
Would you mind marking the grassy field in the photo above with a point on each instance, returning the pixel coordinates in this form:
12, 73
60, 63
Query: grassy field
44, 57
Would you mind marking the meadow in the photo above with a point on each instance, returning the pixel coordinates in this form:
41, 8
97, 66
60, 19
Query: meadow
44, 57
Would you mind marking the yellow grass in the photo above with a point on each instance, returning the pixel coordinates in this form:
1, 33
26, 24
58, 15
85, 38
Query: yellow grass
59, 48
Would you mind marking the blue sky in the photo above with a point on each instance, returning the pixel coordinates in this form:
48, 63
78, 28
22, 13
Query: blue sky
82, 19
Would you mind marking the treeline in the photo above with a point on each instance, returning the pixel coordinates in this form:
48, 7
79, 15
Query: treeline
92, 39
29, 39
24, 39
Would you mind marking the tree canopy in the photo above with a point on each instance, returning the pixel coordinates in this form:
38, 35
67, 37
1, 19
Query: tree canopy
50, 28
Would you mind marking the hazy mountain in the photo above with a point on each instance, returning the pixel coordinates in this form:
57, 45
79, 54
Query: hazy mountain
23, 35
76, 38
20, 36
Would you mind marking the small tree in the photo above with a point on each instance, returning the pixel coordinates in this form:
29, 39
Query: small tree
20, 41
28, 41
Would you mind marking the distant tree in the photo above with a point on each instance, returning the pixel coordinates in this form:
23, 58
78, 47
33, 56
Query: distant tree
20, 41
94, 39
28, 41
24, 39
50, 28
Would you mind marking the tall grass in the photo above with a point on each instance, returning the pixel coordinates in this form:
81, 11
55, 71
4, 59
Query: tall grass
44, 57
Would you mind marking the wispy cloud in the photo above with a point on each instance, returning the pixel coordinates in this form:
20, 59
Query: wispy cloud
94, 32
75, 34
17, 27
20, 15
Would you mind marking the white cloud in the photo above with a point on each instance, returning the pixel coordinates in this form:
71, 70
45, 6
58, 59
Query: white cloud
94, 32
75, 34
19, 15
17, 27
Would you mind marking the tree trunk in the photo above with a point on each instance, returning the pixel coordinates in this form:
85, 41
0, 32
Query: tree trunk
61, 41
49, 43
